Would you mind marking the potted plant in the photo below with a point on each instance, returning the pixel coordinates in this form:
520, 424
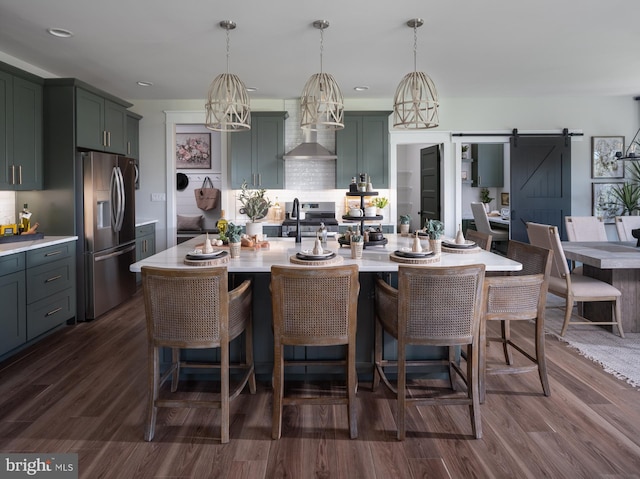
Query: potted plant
485, 198
405, 223
255, 205
357, 245
380, 203
233, 234
435, 230
465, 152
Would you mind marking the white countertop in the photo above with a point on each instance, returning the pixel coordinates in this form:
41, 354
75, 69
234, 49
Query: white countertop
374, 258
144, 221
20, 246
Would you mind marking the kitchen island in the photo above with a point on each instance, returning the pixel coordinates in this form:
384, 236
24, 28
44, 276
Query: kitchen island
256, 264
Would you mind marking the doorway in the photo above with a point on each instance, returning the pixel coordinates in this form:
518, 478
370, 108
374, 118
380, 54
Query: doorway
430, 202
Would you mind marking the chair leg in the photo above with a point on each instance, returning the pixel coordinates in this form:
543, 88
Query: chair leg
402, 390
152, 394
352, 384
505, 327
567, 314
482, 362
473, 387
224, 392
248, 341
377, 353
175, 361
617, 312
541, 358
452, 353
278, 392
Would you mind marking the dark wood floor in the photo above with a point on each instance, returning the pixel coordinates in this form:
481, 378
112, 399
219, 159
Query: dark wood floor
83, 390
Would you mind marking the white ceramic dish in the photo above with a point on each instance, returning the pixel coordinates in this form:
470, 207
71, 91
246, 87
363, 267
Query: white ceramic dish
197, 254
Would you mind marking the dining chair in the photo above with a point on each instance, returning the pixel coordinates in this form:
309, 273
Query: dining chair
483, 240
193, 309
481, 220
314, 307
431, 307
573, 287
585, 228
520, 296
625, 225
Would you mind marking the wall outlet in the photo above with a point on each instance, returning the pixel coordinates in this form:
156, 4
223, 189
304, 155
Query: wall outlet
158, 197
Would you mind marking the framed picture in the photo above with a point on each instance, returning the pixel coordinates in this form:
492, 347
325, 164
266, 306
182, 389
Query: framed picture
604, 163
605, 205
504, 199
193, 150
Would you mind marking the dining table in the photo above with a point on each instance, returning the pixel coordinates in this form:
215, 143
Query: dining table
255, 264
617, 263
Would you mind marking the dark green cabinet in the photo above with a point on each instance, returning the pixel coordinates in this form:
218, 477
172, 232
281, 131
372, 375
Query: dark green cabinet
145, 243
133, 135
13, 323
363, 147
21, 121
487, 165
256, 156
101, 123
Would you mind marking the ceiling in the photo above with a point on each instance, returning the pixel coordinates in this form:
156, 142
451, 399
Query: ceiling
492, 48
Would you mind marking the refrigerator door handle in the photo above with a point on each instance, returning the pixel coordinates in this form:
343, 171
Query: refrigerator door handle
115, 199
115, 253
122, 199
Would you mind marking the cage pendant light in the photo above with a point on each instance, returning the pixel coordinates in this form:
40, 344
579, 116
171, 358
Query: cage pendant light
415, 105
322, 105
227, 106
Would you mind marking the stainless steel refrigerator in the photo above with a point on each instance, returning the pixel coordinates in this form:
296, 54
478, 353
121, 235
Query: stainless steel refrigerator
108, 230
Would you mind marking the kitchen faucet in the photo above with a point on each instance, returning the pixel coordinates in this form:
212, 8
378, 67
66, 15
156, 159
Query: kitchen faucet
296, 213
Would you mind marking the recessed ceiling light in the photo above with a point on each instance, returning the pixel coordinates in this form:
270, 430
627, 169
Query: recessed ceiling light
145, 83
60, 32
361, 88
252, 88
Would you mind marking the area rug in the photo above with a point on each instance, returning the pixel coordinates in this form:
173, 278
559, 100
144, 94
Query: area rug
618, 356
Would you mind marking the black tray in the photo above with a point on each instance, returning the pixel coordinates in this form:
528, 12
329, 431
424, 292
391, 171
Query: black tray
17, 238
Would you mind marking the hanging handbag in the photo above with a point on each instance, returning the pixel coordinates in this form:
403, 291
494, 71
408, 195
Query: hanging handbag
207, 196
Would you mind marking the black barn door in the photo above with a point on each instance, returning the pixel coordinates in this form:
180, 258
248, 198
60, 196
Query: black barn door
430, 207
540, 183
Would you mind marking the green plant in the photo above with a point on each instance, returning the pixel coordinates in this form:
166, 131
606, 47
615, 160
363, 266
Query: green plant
356, 238
484, 195
255, 204
233, 233
465, 148
626, 196
380, 202
434, 229
405, 219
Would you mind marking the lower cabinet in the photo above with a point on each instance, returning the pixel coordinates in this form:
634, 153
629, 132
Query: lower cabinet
38, 293
145, 244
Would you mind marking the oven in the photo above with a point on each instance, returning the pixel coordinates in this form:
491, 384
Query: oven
312, 214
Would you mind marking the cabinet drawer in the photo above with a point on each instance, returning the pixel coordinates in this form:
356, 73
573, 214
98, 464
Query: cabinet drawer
145, 230
49, 254
11, 263
47, 279
49, 312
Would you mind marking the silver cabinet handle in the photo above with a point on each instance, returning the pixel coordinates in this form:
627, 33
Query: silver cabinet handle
52, 312
20, 174
13, 174
104, 137
108, 138
53, 253
53, 278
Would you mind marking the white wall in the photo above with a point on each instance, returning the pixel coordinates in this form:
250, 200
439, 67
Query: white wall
601, 116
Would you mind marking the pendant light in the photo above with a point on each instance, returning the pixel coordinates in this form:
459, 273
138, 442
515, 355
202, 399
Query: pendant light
416, 104
227, 105
322, 105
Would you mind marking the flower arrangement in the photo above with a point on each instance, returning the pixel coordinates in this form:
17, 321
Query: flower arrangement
434, 229
484, 196
255, 204
380, 203
233, 233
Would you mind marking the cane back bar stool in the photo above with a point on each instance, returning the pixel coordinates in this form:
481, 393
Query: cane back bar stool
192, 308
522, 295
483, 240
432, 306
314, 307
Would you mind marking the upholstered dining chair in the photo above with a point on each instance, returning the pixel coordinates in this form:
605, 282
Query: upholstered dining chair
573, 287
192, 308
624, 226
431, 307
520, 296
481, 220
314, 307
483, 240
585, 228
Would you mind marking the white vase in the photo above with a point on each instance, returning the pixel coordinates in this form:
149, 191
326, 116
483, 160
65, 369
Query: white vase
254, 229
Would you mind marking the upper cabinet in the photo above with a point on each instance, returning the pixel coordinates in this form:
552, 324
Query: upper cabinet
101, 123
133, 135
256, 155
487, 167
20, 130
363, 147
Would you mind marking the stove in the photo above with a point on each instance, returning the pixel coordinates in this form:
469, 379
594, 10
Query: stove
312, 214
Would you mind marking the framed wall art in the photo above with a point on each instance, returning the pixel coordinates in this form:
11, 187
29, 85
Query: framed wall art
193, 151
604, 163
605, 205
504, 199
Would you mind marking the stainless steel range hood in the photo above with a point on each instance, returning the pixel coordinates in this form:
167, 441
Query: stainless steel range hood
310, 149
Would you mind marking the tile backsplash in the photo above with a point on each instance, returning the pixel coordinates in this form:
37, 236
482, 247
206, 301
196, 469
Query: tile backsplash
7, 207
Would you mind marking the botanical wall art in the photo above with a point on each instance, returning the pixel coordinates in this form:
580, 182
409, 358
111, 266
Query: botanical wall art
605, 204
604, 163
193, 150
